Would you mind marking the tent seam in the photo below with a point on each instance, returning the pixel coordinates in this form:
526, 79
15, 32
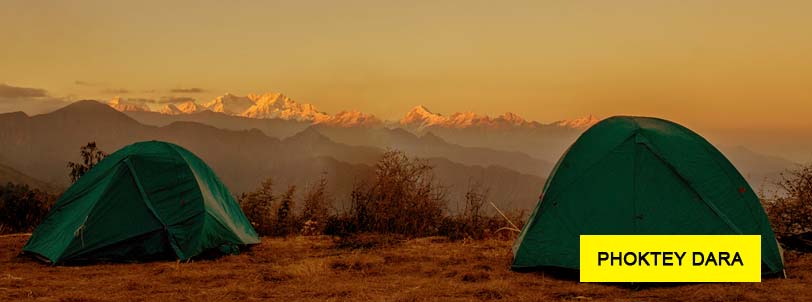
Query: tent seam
92, 208
197, 181
655, 151
565, 188
720, 166
149, 205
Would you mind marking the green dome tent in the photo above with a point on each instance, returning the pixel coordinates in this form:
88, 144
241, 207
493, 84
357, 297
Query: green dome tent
640, 176
147, 200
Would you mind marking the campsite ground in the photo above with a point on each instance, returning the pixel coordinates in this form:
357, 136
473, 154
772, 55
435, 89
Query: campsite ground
316, 269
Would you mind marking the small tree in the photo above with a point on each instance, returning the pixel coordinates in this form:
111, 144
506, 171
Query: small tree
316, 207
285, 219
91, 155
258, 207
790, 210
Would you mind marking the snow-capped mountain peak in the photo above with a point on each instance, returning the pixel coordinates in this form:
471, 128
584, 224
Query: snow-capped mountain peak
170, 109
348, 119
422, 110
229, 104
190, 107
512, 118
187, 107
579, 123
121, 104
277, 105
466, 119
420, 116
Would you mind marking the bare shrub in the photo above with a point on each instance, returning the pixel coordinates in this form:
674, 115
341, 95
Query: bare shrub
402, 199
474, 223
790, 210
470, 223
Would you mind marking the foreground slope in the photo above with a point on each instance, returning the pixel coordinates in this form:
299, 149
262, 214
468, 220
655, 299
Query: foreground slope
426, 269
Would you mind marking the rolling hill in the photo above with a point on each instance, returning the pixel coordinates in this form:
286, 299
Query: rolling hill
11, 175
41, 145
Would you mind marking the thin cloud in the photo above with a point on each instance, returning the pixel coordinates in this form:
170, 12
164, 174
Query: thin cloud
31, 106
116, 91
175, 100
141, 101
87, 83
13, 92
187, 90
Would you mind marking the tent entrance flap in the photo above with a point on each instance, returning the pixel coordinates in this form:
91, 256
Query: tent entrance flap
148, 203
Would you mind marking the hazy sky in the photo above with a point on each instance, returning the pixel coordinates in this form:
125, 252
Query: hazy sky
720, 64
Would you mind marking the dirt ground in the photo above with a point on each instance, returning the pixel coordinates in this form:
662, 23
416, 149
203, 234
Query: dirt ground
314, 269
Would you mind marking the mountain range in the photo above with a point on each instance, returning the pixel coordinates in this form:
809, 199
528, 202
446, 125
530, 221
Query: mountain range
279, 116
247, 139
11, 175
534, 145
41, 145
278, 106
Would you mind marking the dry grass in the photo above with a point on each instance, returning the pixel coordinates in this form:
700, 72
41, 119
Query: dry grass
312, 269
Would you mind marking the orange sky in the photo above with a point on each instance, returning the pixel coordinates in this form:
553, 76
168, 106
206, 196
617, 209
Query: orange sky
708, 64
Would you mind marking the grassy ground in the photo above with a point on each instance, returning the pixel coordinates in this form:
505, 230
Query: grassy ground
314, 269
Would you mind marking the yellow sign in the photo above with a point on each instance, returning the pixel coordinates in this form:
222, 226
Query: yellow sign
670, 258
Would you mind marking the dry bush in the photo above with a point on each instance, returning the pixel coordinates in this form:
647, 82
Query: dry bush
270, 215
469, 224
22, 208
473, 223
403, 198
273, 215
790, 210
475, 199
